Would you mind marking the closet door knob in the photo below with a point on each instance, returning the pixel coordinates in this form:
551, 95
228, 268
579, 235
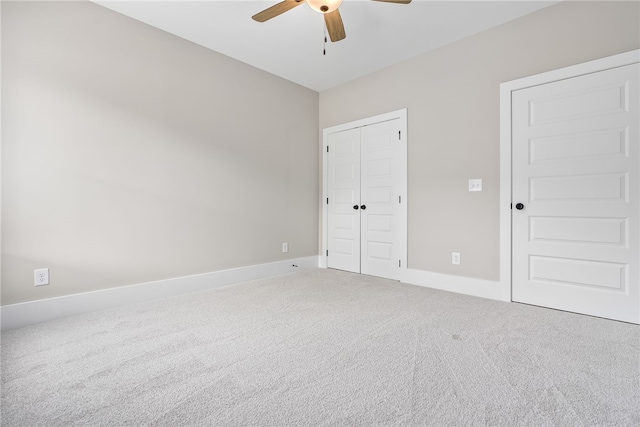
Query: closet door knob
363, 207
355, 207
519, 206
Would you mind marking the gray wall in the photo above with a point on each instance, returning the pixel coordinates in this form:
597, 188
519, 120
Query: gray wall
130, 155
452, 96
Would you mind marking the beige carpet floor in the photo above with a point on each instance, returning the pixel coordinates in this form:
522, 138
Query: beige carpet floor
322, 348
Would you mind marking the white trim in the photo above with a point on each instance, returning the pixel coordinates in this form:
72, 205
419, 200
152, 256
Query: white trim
462, 285
398, 114
27, 313
506, 90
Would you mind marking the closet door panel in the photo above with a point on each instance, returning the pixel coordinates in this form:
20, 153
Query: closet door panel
344, 196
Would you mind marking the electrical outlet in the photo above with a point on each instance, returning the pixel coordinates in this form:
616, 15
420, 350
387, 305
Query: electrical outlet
285, 248
455, 258
41, 277
475, 185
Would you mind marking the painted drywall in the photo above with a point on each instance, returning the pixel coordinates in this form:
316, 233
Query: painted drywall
130, 155
452, 96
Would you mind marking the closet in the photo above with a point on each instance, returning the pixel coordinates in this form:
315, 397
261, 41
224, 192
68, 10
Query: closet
365, 211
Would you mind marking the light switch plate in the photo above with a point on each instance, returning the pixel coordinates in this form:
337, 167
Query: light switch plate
475, 184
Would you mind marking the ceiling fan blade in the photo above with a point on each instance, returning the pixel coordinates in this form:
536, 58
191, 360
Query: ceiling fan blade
395, 1
334, 25
275, 10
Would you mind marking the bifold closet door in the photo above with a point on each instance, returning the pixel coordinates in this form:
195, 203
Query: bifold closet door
364, 200
344, 201
380, 195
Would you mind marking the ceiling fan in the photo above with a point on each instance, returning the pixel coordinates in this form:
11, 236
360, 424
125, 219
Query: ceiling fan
329, 8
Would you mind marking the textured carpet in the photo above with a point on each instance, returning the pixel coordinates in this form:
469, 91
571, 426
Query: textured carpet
322, 347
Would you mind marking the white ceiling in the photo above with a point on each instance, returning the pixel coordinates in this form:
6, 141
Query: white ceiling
291, 45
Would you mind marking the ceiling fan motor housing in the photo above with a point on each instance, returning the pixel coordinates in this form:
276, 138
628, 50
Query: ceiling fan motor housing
324, 6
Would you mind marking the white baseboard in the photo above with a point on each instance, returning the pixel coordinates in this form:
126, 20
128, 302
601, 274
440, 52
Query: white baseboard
462, 285
27, 313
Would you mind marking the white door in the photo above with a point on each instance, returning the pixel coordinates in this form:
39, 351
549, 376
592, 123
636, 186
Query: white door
576, 194
344, 200
380, 197
364, 199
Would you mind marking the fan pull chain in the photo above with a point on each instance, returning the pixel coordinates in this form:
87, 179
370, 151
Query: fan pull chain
324, 50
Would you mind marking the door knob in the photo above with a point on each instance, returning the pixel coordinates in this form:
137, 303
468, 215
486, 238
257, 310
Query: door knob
363, 207
355, 207
519, 206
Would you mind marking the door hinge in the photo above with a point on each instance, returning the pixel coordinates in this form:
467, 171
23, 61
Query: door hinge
327, 148
399, 135
327, 252
511, 206
400, 199
327, 200
399, 263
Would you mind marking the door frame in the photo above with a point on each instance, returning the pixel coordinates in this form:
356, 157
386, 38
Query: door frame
506, 90
398, 114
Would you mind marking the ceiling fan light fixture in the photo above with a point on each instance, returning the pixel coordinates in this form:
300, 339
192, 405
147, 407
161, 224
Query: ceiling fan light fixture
324, 6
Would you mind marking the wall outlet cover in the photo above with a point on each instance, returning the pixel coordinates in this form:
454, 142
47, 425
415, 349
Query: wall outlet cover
475, 184
41, 277
455, 258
